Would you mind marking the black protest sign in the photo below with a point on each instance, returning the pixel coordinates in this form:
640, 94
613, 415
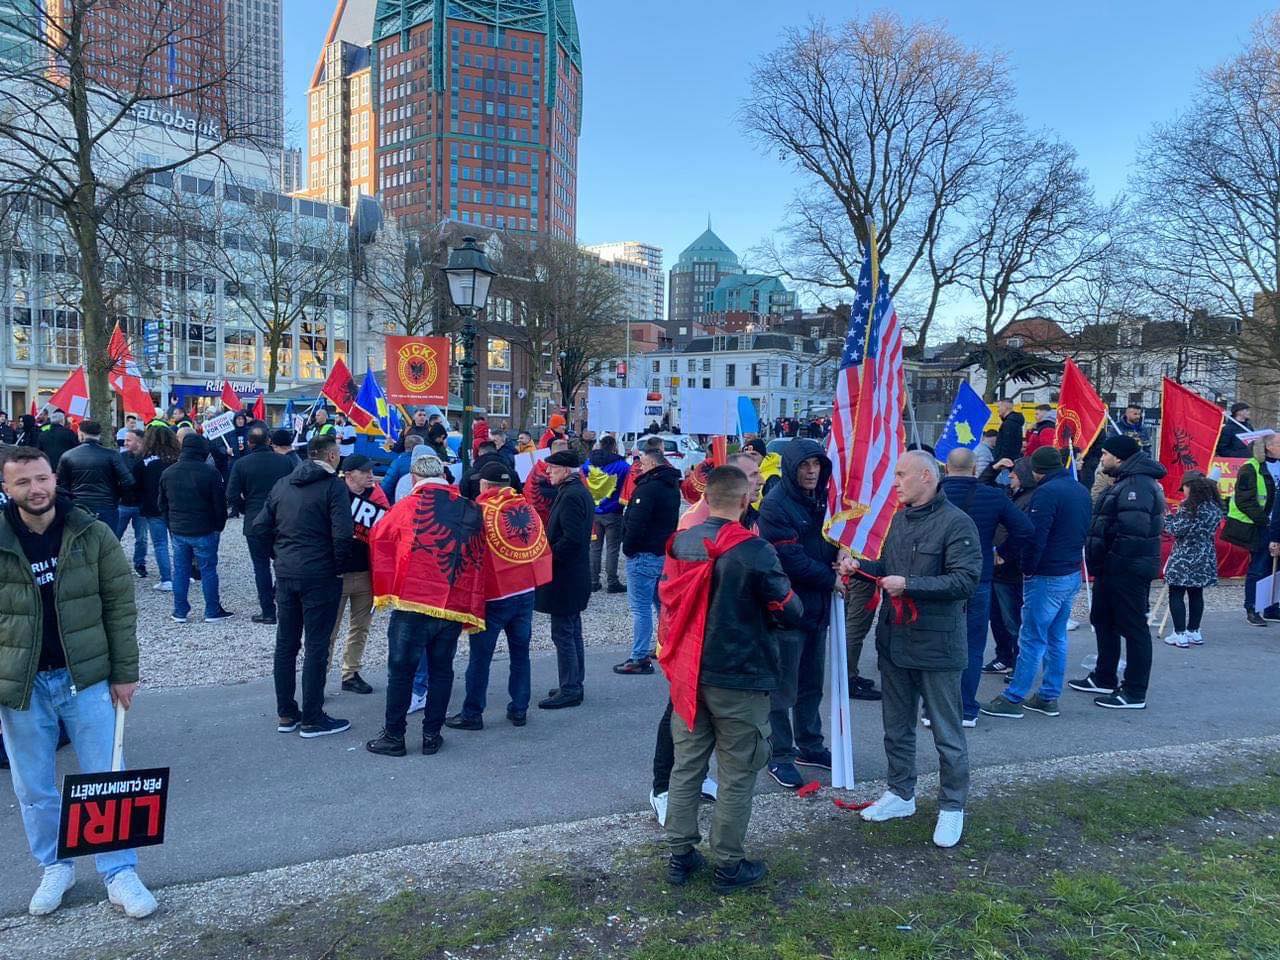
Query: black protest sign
364, 514
102, 812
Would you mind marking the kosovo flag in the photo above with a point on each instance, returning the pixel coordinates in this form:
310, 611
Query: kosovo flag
969, 416
372, 400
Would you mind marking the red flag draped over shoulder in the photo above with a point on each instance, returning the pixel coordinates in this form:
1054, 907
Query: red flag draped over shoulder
1081, 412
683, 594
1189, 428
539, 490
519, 557
427, 556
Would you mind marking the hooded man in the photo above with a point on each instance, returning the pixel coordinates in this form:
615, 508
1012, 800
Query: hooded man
194, 506
1123, 555
1043, 432
791, 519
605, 473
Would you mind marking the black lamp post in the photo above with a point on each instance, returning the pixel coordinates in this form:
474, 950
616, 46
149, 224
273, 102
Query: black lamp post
469, 276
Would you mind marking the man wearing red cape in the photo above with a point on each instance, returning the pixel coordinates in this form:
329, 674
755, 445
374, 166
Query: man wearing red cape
722, 594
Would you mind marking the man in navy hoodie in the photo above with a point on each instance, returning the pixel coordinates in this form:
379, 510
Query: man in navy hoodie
1060, 516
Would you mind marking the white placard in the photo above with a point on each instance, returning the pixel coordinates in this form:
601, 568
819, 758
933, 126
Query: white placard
1249, 436
616, 409
223, 423
1266, 595
525, 462
713, 412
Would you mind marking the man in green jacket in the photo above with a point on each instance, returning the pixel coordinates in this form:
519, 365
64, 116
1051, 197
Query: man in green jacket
69, 652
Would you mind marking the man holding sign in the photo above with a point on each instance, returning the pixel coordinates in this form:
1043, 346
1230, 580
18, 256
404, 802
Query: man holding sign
70, 652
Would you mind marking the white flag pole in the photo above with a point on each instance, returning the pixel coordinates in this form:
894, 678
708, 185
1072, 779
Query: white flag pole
841, 731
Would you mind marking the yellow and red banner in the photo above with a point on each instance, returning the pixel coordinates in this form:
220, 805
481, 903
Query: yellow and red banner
418, 370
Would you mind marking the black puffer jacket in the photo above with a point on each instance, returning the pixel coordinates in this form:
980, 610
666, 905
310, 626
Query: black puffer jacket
1009, 438
569, 534
94, 475
791, 520
192, 499
55, 440
750, 598
252, 477
306, 523
131, 497
146, 474
652, 512
1124, 537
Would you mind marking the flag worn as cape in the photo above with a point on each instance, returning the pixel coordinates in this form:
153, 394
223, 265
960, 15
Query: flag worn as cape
1189, 428
684, 594
427, 556
519, 557
539, 490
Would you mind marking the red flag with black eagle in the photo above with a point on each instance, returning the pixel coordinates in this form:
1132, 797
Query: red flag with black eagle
427, 556
684, 594
539, 490
341, 389
1189, 428
519, 557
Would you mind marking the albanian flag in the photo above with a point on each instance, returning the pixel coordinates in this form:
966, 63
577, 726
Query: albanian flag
1189, 428
684, 594
539, 490
427, 556
519, 557
341, 389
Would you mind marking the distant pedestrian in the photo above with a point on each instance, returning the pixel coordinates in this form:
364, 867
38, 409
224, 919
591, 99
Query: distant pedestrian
282, 443
1009, 436
368, 506
94, 475
605, 473
194, 506
130, 424
1043, 432
56, 438
346, 432
1132, 425
984, 453
1229, 443
28, 432
253, 475
130, 506
160, 451
1193, 562
1006, 579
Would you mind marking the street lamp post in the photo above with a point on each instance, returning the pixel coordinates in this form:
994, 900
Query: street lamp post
469, 275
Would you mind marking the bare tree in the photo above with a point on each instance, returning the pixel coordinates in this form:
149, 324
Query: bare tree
405, 281
895, 121
67, 135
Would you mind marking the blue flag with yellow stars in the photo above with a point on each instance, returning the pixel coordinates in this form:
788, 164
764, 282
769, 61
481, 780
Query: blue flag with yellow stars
969, 416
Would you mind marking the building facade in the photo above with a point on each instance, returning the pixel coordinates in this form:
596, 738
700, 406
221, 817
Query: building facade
646, 254
479, 113
254, 49
696, 274
751, 293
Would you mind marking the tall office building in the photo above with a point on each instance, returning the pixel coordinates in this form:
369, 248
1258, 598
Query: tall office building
479, 112
254, 44
341, 122
650, 258
695, 276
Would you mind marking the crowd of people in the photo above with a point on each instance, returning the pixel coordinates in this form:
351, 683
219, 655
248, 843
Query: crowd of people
989, 543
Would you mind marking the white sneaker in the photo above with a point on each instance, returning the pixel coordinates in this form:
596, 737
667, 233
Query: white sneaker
926, 721
164, 586
889, 807
1194, 638
57, 880
416, 703
1072, 624
1176, 639
127, 892
950, 827
658, 801
969, 722
710, 790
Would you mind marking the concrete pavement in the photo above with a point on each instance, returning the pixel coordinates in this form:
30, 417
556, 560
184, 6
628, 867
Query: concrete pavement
244, 797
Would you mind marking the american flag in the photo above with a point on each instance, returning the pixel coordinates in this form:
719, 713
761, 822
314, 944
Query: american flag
866, 420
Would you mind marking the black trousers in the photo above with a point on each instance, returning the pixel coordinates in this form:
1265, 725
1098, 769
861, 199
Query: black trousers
304, 609
260, 556
1120, 613
1179, 598
664, 752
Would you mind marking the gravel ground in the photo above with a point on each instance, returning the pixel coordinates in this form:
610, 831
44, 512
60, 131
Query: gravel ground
237, 650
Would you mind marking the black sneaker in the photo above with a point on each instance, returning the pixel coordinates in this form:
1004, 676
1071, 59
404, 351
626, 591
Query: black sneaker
386, 745
220, 615
1089, 685
459, 722
1120, 701
1271, 613
140, 572
634, 666
1255, 619
431, 745
518, 718
820, 759
746, 874
560, 701
682, 866
356, 684
263, 618
996, 666
287, 724
617, 588
863, 688
786, 775
325, 726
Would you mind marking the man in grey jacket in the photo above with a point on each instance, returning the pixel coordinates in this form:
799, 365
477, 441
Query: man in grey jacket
929, 568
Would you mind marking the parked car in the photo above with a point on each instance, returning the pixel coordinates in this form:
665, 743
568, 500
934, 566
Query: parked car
683, 451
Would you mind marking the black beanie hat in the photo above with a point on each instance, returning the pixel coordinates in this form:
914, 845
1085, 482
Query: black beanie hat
1122, 447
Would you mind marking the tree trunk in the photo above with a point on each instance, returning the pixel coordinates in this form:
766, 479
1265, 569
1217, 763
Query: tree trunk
273, 364
93, 318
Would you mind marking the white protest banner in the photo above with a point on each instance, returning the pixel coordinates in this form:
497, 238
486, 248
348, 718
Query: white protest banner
713, 412
220, 425
616, 409
1266, 593
1249, 436
525, 462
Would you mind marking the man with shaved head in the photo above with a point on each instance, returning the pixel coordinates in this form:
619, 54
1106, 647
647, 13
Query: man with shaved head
930, 566
989, 508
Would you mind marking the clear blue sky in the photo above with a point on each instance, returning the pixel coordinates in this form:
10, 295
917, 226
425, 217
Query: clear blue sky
661, 149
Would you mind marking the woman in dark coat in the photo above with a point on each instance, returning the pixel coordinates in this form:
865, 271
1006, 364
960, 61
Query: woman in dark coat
567, 595
29, 435
1193, 563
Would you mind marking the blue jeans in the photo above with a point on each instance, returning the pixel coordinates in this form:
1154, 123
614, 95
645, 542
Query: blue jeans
205, 551
977, 619
515, 615
643, 572
160, 546
1046, 605
260, 556
126, 516
31, 738
108, 515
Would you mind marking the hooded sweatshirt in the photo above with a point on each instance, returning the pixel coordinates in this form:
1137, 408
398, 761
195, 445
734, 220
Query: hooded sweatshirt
605, 474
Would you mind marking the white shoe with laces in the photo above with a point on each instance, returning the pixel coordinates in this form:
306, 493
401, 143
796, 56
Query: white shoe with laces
417, 703
1072, 624
57, 880
126, 892
658, 801
1176, 639
950, 826
1194, 638
164, 586
890, 806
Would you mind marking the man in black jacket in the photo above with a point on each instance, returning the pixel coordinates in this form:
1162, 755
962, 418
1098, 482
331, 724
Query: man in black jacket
306, 523
130, 508
740, 666
1012, 425
252, 477
1229, 443
791, 519
56, 438
569, 592
487, 452
194, 506
648, 522
1123, 555
95, 476
929, 568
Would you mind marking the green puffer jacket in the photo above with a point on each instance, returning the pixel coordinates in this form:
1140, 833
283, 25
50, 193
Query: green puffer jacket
96, 609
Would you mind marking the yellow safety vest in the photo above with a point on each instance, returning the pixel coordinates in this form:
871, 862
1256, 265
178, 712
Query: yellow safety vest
1235, 512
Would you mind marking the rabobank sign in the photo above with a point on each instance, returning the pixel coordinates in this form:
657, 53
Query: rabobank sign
150, 113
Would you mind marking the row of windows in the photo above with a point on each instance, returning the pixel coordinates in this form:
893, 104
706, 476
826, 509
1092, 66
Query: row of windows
483, 38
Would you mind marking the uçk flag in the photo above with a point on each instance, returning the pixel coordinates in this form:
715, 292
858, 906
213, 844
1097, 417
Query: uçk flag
1081, 412
418, 370
1189, 428
126, 379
